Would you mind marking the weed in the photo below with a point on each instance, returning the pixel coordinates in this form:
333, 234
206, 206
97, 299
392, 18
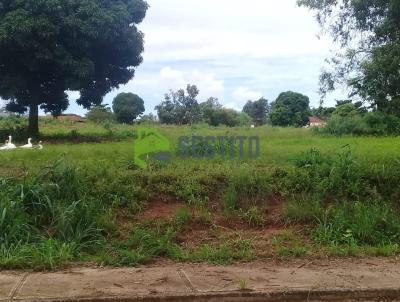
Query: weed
243, 285
304, 209
143, 245
203, 215
289, 244
254, 217
356, 223
182, 217
225, 253
230, 200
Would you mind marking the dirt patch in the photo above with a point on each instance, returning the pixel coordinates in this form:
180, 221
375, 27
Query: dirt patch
222, 228
275, 206
159, 210
195, 235
211, 225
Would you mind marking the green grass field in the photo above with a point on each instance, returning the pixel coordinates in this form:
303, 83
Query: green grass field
279, 146
307, 195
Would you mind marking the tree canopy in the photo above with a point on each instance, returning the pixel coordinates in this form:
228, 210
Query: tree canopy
128, 107
290, 109
370, 33
258, 111
180, 107
49, 47
209, 110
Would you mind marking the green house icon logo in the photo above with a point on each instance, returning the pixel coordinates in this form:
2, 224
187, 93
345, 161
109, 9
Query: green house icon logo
150, 144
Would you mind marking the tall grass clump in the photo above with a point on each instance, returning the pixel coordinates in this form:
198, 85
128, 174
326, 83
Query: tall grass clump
348, 201
304, 209
357, 223
144, 244
339, 176
49, 216
247, 188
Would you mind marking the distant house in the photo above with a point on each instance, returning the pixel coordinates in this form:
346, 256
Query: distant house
71, 118
316, 122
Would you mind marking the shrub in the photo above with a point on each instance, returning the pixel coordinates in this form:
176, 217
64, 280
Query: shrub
370, 123
330, 176
246, 189
358, 223
100, 114
304, 209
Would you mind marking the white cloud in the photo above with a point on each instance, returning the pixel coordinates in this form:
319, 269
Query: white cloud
209, 29
233, 105
168, 73
73, 95
241, 95
245, 94
206, 82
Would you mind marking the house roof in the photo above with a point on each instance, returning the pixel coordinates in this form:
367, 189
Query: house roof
314, 119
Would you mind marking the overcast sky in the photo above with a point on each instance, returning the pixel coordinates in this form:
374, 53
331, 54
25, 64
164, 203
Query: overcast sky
234, 50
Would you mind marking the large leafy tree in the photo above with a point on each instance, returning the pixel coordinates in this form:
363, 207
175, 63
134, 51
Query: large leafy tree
369, 31
257, 110
209, 111
290, 109
128, 107
48, 47
167, 112
180, 107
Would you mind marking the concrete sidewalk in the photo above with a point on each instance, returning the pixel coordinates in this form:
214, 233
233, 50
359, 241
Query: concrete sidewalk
301, 280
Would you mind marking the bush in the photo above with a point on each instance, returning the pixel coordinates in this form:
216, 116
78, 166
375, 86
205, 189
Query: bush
100, 114
372, 223
230, 118
371, 123
338, 176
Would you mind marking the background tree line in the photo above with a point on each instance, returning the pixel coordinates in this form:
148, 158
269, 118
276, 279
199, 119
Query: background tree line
182, 107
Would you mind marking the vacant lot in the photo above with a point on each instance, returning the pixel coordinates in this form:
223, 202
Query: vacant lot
82, 199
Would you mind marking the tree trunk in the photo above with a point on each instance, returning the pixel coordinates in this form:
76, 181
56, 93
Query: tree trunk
33, 127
